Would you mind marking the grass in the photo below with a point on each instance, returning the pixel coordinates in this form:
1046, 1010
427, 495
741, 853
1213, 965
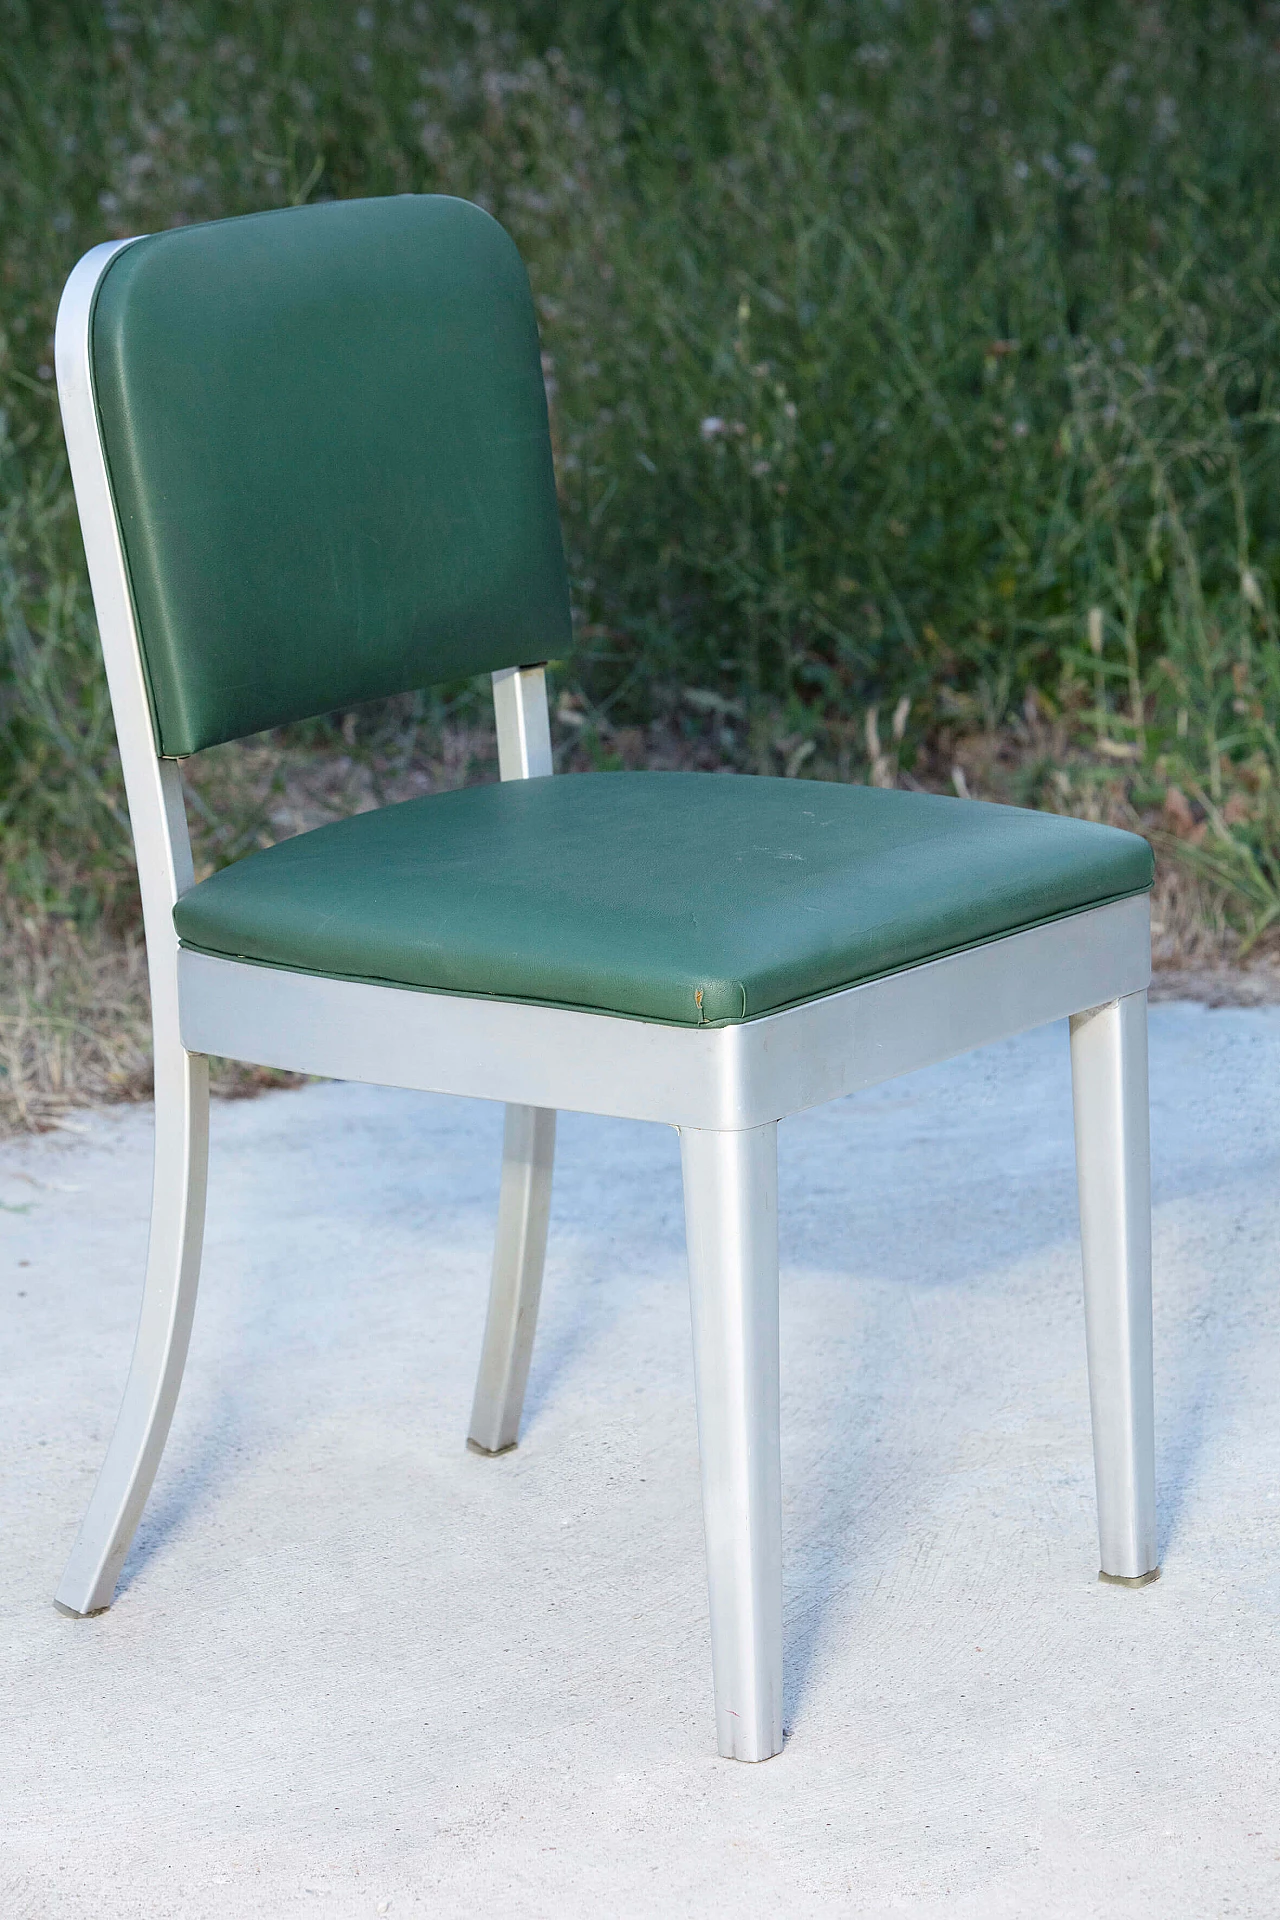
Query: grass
912, 383
75, 1026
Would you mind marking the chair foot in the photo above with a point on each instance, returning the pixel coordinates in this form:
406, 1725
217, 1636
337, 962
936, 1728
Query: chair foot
491, 1453
164, 1331
1109, 1076
1130, 1580
731, 1221
519, 1253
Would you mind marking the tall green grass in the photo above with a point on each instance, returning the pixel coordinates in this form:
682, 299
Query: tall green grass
912, 365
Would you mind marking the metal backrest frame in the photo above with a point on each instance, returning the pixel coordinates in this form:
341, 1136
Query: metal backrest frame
153, 786
153, 782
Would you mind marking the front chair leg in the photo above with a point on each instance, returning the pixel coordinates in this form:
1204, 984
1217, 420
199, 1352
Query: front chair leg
164, 1330
1109, 1078
524, 1206
731, 1225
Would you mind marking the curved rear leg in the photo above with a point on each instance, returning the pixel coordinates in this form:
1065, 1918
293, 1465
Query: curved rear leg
524, 1204
164, 1329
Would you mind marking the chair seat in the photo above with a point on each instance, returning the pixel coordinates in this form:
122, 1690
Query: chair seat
692, 899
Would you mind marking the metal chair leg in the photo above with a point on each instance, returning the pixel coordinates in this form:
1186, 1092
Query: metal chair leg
524, 1204
164, 1330
1109, 1077
731, 1223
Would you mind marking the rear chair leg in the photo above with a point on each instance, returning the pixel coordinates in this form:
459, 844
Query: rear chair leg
731, 1223
164, 1329
524, 1205
1109, 1077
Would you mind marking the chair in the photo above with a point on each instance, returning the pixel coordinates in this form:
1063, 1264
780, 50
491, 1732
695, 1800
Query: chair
312, 464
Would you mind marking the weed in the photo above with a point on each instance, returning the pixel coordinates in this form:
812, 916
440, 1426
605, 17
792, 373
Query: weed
896, 355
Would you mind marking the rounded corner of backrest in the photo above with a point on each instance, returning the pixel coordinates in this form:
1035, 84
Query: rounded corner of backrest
73, 339
106, 314
488, 242
485, 221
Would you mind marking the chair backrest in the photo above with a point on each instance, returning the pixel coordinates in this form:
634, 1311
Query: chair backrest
326, 435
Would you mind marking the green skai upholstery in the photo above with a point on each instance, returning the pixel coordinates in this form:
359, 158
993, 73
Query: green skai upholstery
326, 432
681, 897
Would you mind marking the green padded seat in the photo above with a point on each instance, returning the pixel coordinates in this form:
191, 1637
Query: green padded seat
694, 899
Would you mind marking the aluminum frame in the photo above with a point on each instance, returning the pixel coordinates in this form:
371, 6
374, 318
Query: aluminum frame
724, 1088
730, 1077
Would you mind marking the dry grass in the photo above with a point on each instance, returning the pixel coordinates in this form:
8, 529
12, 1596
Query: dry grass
74, 1023
75, 1015
75, 1026
1197, 947
74, 1010
1196, 950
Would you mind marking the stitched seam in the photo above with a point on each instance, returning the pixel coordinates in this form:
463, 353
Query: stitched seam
659, 1020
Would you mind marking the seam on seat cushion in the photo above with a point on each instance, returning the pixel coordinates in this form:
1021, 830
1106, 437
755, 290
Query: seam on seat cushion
653, 1020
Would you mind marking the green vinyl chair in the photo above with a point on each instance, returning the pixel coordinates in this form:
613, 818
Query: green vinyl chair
312, 464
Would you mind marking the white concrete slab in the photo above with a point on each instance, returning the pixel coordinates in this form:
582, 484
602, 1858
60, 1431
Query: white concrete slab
354, 1669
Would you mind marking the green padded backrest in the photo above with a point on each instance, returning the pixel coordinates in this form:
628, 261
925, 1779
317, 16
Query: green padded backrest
326, 432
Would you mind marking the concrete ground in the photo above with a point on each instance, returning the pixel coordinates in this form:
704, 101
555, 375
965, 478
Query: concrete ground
354, 1670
